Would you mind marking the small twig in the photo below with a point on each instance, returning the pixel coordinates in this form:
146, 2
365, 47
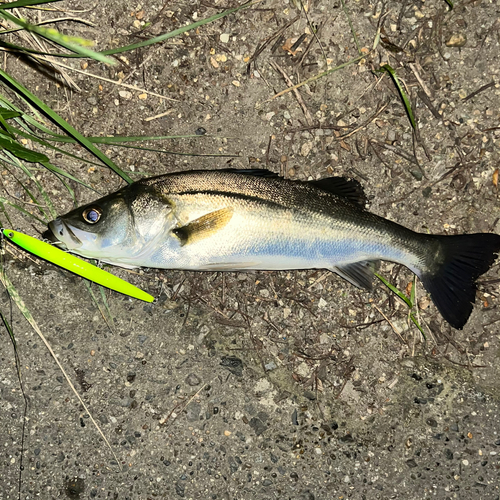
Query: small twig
397, 151
315, 37
161, 115
479, 90
424, 86
267, 41
425, 99
318, 76
396, 331
186, 405
364, 125
119, 83
289, 82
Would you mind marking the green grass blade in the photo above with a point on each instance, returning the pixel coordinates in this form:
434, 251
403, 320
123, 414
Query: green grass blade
34, 138
16, 163
22, 210
7, 114
351, 26
393, 289
101, 310
63, 124
19, 48
450, 3
24, 3
4, 211
19, 164
106, 306
74, 44
63, 173
402, 93
3, 124
9, 330
176, 32
117, 139
143, 148
20, 151
415, 322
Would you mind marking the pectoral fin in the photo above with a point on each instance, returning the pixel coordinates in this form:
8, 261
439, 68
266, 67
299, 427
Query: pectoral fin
204, 226
360, 274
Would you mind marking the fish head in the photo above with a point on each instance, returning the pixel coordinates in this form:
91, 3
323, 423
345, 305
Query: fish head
117, 229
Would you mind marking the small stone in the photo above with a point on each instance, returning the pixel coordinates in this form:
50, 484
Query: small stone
233, 364
322, 303
432, 422
75, 487
417, 174
426, 192
257, 425
192, 379
125, 94
224, 37
306, 148
456, 40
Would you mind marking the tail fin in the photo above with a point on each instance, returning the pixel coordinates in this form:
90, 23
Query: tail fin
452, 281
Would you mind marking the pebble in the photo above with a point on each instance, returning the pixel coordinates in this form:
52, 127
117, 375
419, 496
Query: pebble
456, 40
224, 37
306, 148
192, 379
270, 366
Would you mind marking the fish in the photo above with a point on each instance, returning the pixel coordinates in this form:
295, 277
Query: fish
240, 220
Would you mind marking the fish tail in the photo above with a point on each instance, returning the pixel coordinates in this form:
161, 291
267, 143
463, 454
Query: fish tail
451, 276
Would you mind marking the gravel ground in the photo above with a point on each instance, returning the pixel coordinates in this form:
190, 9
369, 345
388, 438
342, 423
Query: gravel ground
267, 385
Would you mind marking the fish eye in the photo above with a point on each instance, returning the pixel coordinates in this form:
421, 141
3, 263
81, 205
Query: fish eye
92, 215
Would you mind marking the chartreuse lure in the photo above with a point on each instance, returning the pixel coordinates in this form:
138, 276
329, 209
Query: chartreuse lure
75, 265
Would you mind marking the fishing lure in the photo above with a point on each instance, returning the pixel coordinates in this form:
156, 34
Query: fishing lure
75, 265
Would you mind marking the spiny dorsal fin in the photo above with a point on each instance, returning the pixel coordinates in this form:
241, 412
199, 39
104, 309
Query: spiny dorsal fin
360, 274
257, 172
349, 189
204, 226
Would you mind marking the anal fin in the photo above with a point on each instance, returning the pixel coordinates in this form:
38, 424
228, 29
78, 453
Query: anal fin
360, 274
204, 226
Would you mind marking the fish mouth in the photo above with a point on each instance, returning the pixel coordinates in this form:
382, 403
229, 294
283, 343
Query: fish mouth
61, 234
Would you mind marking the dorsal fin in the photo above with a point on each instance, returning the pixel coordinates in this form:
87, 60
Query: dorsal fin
349, 189
257, 172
